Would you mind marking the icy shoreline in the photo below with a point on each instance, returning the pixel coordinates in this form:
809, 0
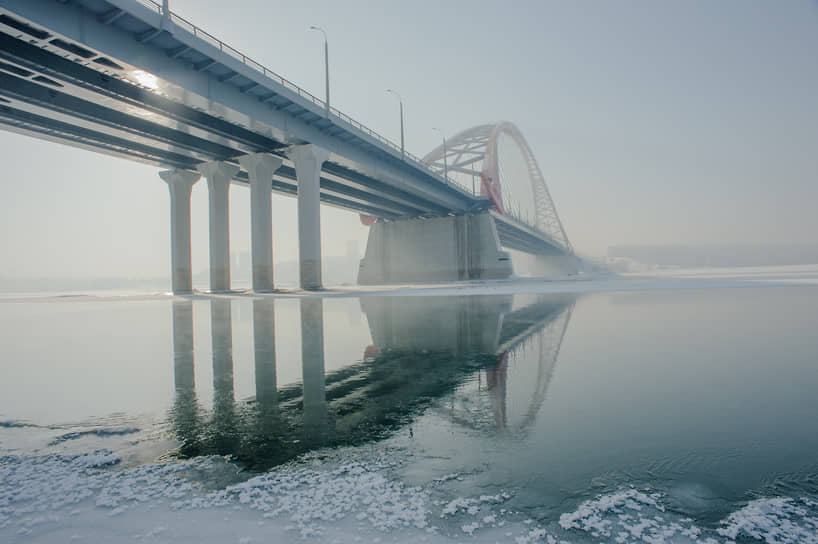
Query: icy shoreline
584, 283
333, 496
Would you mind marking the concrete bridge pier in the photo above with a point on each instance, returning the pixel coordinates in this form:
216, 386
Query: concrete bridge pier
308, 160
260, 168
438, 249
180, 183
218, 175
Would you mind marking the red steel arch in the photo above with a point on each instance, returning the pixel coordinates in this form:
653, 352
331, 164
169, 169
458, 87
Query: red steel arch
475, 152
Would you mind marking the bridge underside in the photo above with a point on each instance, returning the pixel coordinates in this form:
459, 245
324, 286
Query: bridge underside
121, 78
129, 83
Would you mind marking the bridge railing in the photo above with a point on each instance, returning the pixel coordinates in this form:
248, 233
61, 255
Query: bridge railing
257, 66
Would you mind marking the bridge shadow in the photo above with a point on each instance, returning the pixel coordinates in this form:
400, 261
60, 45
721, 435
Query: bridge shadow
424, 350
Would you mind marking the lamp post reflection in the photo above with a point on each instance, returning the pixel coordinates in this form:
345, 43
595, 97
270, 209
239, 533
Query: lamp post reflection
312, 365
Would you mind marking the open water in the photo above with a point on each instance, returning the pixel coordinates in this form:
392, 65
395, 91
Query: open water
655, 415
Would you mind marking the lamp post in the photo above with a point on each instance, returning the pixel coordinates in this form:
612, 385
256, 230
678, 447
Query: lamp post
326, 63
402, 151
445, 162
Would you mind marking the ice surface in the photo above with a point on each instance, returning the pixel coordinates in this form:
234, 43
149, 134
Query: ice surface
314, 498
351, 495
775, 521
584, 283
342, 496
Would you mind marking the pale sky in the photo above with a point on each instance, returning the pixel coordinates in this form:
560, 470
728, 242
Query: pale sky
654, 122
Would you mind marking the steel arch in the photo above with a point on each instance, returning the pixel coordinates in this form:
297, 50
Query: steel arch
474, 152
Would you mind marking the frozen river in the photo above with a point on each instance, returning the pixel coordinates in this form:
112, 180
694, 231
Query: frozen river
672, 409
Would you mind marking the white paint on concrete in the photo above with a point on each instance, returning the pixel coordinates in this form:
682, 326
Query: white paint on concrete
260, 168
180, 182
218, 175
308, 160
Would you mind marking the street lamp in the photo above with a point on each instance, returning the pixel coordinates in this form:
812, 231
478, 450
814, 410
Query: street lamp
326, 63
445, 163
402, 152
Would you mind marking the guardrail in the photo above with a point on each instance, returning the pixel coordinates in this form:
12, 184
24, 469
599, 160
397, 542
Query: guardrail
247, 61
257, 66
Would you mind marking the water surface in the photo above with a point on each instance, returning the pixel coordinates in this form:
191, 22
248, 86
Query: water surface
566, 411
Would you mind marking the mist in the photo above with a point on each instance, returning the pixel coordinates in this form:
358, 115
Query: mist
684, 124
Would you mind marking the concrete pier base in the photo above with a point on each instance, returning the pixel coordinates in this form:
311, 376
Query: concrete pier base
308, 160
180, 182
218, 175
438, 249
260, 168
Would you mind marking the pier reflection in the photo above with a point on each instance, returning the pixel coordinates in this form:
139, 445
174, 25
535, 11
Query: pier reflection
425, 352
185, 409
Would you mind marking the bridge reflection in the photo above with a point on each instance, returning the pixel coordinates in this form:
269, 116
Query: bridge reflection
425, 352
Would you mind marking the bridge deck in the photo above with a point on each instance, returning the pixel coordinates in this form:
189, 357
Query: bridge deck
119, 77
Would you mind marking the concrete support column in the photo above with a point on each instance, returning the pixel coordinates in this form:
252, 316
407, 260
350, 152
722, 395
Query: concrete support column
308, 160
260, 167
180, 183
218, 175
312, 371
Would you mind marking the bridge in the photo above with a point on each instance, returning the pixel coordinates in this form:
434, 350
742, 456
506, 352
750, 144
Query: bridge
132, 79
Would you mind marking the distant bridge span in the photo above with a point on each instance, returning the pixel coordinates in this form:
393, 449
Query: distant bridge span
127, 78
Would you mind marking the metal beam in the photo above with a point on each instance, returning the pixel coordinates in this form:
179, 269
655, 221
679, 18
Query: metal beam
49, 98
75, 134
62, 69
111, 16
179, 51
148, 35
204, 65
